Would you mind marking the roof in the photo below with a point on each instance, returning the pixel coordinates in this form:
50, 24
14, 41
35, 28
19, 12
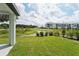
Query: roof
13, 8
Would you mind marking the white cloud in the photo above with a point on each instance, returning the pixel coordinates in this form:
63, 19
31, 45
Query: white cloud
47, 12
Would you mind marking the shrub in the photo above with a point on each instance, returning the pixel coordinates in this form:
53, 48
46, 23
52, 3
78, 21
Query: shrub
41, 34
63, 32
77, 36
37, 34
50, 33
46, 33
71, 35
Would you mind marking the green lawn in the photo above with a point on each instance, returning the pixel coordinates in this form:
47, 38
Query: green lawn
45, 46
26, 31
40, 46
4, 40
4, 36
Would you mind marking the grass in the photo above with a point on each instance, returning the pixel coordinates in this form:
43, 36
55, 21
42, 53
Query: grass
4, 40
4, 34
41, 46
45, 46
26, 31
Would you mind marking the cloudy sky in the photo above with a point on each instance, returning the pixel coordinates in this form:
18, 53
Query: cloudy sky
41, 13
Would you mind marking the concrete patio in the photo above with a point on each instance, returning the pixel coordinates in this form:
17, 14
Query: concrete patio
5, 49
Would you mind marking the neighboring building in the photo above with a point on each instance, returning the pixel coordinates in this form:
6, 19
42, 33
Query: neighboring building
62, 25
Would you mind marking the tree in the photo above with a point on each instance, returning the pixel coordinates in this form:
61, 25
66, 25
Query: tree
5, 26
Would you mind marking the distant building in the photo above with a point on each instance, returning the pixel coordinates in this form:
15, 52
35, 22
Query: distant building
62, 25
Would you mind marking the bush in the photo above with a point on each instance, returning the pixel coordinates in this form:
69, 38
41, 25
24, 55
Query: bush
41, 34
56, 33
46, 33
77, 36
50, 33
37, 34
71, 35
63, 32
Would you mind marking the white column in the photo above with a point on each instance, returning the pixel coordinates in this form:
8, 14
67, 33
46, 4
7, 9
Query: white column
12, 30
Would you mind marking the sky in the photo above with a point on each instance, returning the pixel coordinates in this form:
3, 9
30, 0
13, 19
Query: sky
41, 13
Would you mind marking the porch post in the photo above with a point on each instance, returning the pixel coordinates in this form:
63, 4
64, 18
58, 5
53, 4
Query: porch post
12, 30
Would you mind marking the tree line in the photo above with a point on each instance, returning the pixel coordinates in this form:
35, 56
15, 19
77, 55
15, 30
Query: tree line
6, 26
